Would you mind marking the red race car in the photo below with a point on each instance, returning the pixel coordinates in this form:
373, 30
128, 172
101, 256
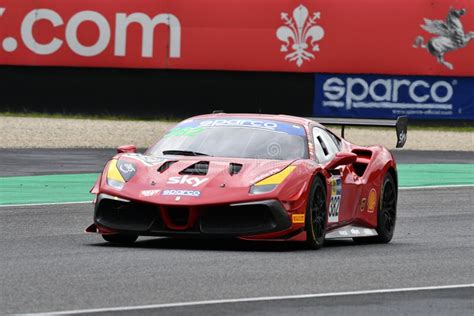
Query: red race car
254, 177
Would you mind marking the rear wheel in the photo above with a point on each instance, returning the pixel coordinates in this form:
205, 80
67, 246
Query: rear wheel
121, 239
316, 215
386, 213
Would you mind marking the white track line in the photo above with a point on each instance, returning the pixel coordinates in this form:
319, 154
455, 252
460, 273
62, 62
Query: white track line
253, 299
43, 204
437, 187
400, 188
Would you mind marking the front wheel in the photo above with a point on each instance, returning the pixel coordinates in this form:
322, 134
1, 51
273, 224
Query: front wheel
386, 213
316, 215
120, 239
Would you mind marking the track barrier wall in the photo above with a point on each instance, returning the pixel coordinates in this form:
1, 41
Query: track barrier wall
152, 93
396, 38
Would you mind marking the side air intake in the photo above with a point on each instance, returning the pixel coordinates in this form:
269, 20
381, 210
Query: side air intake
198, 169
363, 160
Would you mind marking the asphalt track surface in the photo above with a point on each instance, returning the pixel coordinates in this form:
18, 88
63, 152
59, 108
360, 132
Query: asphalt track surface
47, 264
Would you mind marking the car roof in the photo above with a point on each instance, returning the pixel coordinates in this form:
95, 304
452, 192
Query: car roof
276, 117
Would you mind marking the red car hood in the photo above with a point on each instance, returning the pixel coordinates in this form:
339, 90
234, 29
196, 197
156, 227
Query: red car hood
176, 180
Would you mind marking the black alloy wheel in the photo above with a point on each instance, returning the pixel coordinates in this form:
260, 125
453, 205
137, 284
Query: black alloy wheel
316, 215
386, 213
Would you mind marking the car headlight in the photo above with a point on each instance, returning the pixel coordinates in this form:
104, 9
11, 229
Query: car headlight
269, 184
119, 173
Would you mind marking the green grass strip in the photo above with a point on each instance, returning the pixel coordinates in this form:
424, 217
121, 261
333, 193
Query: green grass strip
415, 175
75, 187
46, 189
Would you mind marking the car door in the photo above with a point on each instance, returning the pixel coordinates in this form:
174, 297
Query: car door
342, 186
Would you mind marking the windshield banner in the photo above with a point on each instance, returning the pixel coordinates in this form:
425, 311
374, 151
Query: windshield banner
375, 96
423, 37
194, 126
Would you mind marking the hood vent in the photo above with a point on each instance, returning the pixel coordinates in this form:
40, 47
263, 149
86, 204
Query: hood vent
198, 169
234, 168
165, 166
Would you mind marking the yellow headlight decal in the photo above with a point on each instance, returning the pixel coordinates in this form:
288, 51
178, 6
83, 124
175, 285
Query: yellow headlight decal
113, 172
278, 177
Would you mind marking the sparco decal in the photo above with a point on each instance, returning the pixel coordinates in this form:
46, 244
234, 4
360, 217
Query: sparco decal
360, 93
379, 96
246, 123
196, 126
181, 193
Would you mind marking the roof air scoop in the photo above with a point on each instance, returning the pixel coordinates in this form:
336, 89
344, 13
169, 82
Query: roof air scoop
234, 168
198, 169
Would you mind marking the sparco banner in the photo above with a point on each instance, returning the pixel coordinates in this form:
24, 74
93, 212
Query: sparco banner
425, 37
373, 96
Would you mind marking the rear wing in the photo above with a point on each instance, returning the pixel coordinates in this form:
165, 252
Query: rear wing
400, 124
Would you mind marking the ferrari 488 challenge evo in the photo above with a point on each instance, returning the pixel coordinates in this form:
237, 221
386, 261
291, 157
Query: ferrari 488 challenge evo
254, 177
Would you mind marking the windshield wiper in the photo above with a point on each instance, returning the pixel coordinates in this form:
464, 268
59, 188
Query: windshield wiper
183, 152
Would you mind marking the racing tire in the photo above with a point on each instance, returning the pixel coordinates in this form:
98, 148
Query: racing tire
386, 213
120, 239
316, 215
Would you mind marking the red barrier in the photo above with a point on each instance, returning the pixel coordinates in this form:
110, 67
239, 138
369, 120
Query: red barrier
344, 36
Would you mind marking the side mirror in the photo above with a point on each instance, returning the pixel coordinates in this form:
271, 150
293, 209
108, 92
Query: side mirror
126, 149
340, 159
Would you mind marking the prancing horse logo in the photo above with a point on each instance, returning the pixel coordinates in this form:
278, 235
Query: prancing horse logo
450, 37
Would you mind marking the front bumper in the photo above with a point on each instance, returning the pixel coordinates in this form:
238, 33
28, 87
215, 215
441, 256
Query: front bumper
231, 220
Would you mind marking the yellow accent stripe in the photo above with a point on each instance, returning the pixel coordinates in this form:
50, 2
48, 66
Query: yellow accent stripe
278, 177
113, 172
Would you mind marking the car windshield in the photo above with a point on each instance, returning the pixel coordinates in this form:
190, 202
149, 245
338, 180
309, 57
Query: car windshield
234, 137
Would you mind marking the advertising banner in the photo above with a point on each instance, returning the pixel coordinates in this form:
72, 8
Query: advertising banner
417, 37
377, 96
